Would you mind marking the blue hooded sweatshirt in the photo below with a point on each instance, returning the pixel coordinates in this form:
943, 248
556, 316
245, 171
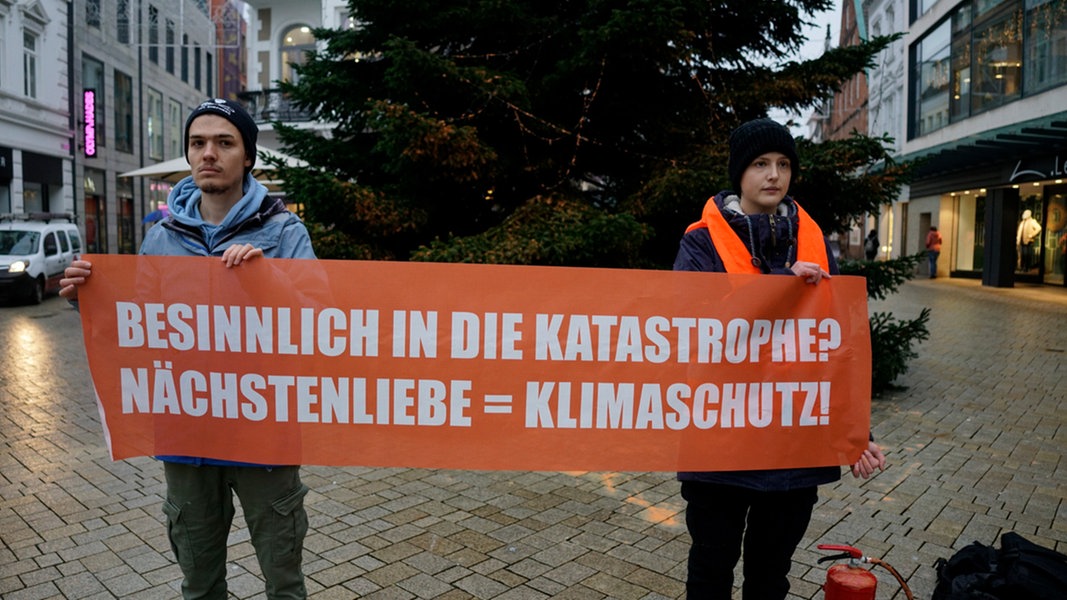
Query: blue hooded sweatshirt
256, 219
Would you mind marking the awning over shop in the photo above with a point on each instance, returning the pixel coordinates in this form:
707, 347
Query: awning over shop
176, 169
1017, 143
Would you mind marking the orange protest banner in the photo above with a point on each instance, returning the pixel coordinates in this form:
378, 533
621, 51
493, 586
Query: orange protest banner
476, 366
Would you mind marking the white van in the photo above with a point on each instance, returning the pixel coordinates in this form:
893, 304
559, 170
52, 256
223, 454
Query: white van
34, 251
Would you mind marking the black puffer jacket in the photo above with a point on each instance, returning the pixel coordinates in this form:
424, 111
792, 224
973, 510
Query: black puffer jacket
772, 241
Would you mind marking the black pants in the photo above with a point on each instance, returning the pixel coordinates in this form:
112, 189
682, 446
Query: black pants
723, 519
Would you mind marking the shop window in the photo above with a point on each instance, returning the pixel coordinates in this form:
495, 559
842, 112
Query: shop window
95, 212
1028, 235
126, 242
32, 197
1056, 238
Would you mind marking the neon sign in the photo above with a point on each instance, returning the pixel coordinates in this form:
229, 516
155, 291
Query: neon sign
89, 118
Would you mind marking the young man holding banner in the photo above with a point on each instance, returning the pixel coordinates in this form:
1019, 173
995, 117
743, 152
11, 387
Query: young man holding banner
759, 231
222, 211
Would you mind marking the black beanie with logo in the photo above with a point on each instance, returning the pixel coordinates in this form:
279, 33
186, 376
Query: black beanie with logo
234, 113
755, 138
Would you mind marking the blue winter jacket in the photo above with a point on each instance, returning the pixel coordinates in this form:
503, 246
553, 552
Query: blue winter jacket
772, 240
256, 219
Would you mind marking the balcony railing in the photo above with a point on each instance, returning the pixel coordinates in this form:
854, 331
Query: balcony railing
272, 105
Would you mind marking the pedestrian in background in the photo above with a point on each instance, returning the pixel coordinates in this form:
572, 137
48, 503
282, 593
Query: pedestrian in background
933, 249
756, 228
221, 210
871, 245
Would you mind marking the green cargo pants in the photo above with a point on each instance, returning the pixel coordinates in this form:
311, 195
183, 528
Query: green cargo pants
199, 510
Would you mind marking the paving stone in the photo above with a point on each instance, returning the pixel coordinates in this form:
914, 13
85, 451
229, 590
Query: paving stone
975, 435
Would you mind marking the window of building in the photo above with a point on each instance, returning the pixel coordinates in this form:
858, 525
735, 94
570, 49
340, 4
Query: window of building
3, 52
997, 64
153, 34
124, 210
174, 125
999, 51
185, 58
1046, 44
93, 79
29, 63
123, 112
122, 21
95, 211
169, 52
961, 65
92, 13
296, 43
154, 124
931, 87
196, 67
921, 7
208, 75
984, 7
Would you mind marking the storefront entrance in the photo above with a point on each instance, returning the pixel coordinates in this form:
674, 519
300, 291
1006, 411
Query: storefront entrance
1054, 246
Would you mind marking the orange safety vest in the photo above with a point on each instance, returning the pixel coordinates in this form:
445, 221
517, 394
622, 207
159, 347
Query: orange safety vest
736, 257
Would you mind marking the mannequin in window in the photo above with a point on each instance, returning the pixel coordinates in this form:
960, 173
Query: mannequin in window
1028, 231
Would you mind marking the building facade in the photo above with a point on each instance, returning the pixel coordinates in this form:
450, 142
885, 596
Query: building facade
35, 123
850, 110
137, 69
886, 103
986, 114
975, 93
280, 33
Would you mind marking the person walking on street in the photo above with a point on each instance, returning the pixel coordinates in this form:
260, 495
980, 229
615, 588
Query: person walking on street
220, 210
762, 513
933, 249
871, 245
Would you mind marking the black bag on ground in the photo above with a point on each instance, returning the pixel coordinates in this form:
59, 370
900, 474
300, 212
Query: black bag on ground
1019, 570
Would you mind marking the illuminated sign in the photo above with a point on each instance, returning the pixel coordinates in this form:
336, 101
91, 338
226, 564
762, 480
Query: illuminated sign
89, 118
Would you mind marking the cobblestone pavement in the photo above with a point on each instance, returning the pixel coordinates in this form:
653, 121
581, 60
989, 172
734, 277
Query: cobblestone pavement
975, 436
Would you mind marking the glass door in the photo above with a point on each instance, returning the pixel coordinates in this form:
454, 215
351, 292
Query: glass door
1055, 234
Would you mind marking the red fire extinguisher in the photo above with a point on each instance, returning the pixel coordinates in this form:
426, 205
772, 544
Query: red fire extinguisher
851, 581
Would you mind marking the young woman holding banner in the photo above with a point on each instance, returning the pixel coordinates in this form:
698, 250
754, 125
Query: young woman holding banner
765, 513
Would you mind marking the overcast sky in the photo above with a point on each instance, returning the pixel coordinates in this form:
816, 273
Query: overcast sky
813, 48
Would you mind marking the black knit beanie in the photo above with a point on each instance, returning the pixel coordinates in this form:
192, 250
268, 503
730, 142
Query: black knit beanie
755, 138
234, 113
